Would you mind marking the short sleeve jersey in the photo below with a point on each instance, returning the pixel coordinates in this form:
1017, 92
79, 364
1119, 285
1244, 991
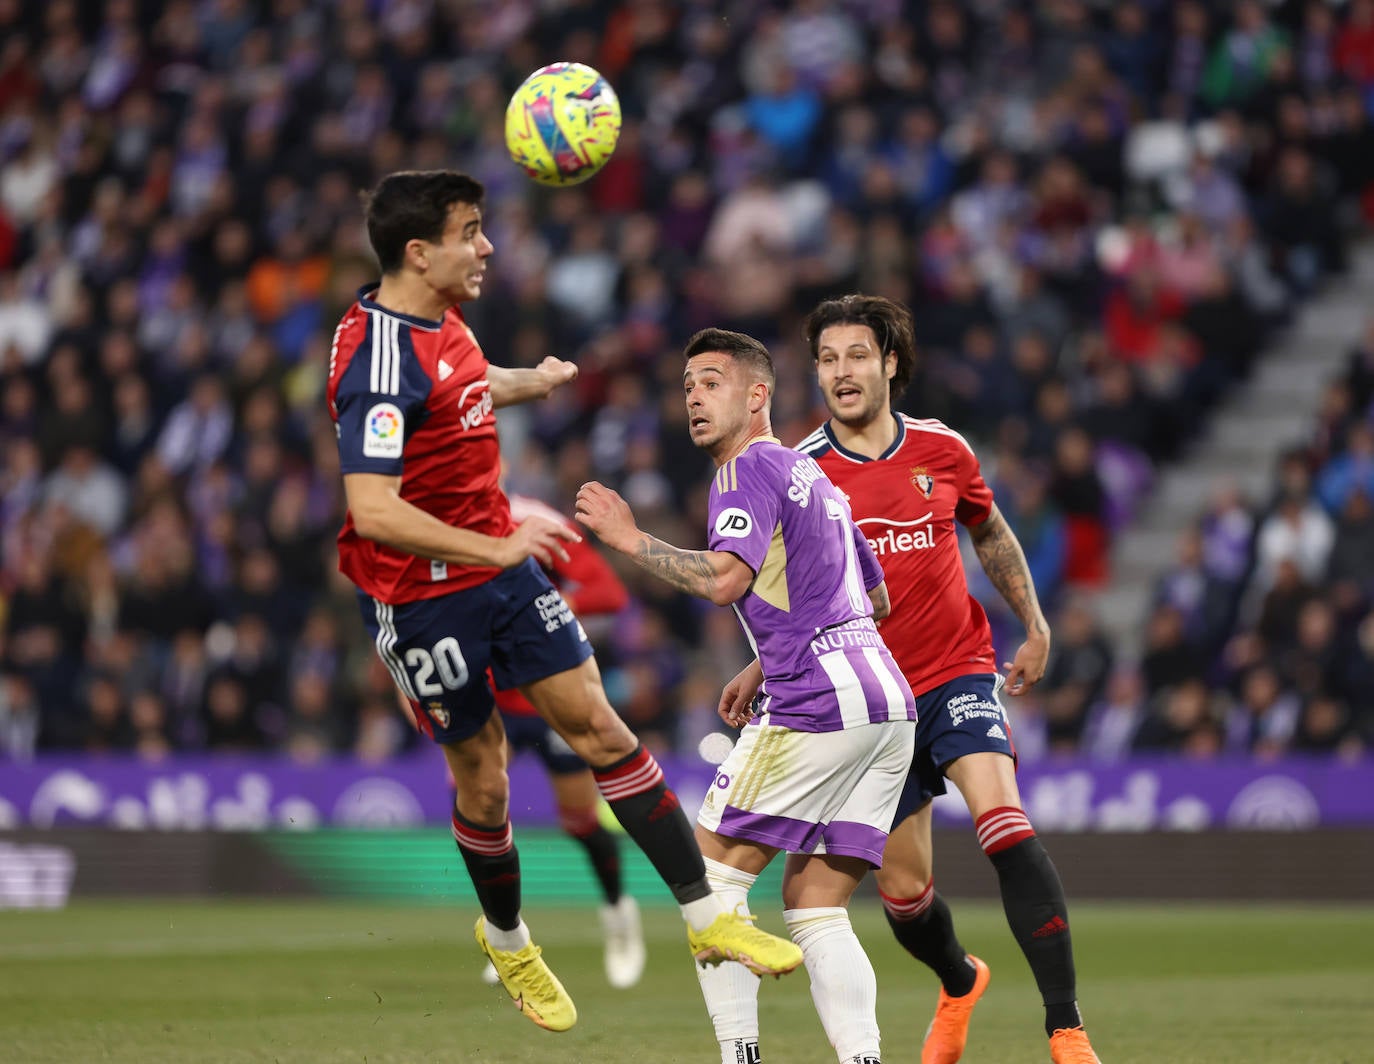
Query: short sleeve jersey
410, 398
807, 613
907, 501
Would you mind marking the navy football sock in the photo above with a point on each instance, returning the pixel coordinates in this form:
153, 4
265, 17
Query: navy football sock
653, 817
604, 853
494, 866
925, 928
1033, 899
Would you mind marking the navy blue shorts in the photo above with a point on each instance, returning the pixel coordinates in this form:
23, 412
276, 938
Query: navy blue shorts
964, 716
438, 650
534, 734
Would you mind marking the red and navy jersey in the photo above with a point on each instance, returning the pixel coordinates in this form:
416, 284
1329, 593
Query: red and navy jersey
586, 581
906, 501
410, 398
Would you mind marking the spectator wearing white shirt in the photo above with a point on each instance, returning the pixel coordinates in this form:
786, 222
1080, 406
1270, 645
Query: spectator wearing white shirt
89, 489
198, 429
1298, 531
25, 325
27, 179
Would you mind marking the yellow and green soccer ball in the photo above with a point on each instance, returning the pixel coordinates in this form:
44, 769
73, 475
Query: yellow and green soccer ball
562, 124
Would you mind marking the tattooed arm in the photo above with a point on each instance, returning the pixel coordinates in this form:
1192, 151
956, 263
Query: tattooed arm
1002, 559
711, 574
882, 603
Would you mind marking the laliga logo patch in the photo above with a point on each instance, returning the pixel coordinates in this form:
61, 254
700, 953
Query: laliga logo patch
383, 431
733, 523
923, 481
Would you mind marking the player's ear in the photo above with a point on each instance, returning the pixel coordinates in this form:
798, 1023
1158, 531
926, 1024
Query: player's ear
417, 254
890, 364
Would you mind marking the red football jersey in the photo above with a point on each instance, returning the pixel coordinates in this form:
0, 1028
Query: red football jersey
906, 502
410, 398
586, 580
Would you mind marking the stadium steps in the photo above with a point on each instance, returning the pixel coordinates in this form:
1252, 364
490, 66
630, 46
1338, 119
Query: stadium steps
1273, 410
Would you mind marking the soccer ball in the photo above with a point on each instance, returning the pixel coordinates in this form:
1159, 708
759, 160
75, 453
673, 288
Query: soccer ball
562, 124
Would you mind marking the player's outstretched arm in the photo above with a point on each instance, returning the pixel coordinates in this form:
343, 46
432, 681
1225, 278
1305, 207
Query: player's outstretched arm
716, 575
1000, 554
380, 514
522, 385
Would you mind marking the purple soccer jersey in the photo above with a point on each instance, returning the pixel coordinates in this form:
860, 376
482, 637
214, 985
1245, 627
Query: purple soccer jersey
807, 613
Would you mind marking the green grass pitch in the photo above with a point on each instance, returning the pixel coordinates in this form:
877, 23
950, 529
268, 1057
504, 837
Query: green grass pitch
334, 981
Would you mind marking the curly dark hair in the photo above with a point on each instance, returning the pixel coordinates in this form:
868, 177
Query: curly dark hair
892, 327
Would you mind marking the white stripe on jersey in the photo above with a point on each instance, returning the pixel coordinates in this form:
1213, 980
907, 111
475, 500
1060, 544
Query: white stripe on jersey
753, 645
744, 626
932, 425
393, 336
815, 442
849, 692
896, 701
375, 379
385, 377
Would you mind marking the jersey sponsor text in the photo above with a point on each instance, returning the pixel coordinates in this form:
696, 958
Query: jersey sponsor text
895, 541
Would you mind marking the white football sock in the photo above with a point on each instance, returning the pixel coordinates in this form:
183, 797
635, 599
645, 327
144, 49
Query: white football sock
843, 985
517, 938
731, 990
700, 914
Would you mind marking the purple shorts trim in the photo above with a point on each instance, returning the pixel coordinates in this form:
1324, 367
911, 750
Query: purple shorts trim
842, 837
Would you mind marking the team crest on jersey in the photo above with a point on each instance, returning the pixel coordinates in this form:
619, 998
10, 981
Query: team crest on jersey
439, 713
922, 480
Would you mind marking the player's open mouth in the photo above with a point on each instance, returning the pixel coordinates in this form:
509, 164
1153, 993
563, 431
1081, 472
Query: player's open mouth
847, 393
699, 422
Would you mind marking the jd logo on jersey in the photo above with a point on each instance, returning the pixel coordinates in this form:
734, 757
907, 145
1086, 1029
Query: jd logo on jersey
733, 523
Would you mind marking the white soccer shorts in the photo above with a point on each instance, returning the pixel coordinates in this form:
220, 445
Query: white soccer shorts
812, 792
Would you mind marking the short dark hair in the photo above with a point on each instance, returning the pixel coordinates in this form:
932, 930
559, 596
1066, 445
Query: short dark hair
743, 349
892, 327
414, 205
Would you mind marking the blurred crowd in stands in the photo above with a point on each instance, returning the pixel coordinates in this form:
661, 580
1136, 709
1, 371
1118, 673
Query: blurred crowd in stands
1100, 214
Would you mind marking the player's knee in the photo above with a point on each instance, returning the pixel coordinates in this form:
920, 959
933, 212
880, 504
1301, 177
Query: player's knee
599, 736
810, 925
484, 797
578, 821
897, 881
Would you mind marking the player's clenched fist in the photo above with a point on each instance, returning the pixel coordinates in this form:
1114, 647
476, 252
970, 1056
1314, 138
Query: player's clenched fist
608, 515
556, 371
